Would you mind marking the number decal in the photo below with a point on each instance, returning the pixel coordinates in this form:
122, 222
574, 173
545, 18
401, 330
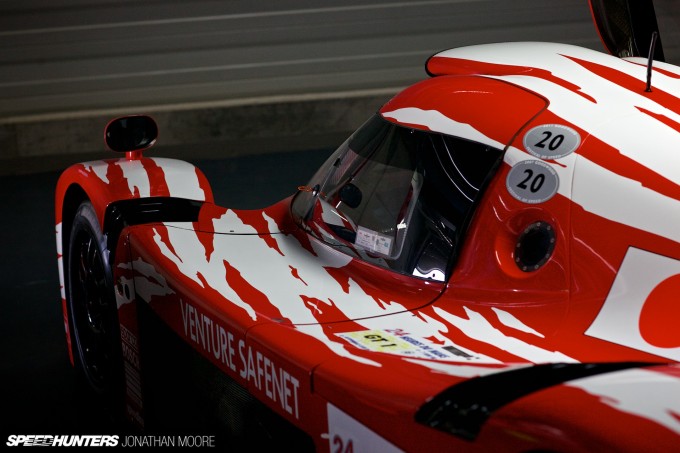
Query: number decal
554, 143
532, 181
551, 141
541, 144
341, 446
523, 183
535, 184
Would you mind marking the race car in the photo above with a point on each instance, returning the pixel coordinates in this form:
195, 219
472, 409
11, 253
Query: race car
490, 263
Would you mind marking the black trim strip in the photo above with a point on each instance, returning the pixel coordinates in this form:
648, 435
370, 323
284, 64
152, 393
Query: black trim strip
137, 211
463, 408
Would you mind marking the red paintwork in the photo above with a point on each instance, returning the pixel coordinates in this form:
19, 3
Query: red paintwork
301, 325
116, 187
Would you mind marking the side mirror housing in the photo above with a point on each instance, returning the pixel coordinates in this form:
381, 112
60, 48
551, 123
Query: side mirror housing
131, 134
626, 26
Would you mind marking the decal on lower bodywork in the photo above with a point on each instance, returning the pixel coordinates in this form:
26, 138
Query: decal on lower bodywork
406, 345
254, 367
345, 434
133, 377
641, 310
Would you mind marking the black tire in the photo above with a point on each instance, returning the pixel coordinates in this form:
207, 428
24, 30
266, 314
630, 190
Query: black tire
93, 315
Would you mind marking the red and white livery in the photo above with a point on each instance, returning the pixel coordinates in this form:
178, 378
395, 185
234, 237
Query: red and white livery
490, 263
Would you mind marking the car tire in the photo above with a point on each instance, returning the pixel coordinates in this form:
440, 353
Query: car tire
92, 311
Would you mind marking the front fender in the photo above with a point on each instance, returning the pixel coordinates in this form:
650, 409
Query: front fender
104, 182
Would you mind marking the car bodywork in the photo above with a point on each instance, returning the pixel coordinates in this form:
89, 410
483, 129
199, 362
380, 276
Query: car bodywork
553, 325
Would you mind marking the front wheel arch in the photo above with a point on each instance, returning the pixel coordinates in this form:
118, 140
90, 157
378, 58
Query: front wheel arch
92, 312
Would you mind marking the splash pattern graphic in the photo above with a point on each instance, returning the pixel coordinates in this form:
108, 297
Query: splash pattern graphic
352, 350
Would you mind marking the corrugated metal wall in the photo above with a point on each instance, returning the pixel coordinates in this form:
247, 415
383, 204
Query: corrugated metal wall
275, 72
70, 55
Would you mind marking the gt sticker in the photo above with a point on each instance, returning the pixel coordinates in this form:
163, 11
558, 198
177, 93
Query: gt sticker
551, 141
403, 344
532, 181
641, 310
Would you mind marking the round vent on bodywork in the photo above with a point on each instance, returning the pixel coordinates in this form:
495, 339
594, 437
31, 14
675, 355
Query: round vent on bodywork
535, 246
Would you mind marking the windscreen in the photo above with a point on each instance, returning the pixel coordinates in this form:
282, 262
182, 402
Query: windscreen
397, 197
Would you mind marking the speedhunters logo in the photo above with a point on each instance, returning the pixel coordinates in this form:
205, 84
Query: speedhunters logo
34, 440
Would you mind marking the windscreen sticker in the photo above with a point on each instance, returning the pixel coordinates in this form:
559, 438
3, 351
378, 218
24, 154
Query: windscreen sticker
373, 241
404, 344
532, 181
551, 141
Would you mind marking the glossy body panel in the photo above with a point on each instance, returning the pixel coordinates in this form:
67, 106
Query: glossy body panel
350, 352
103, 182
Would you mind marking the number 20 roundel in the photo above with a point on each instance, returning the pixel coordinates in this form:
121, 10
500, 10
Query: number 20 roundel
551, 141
532, 181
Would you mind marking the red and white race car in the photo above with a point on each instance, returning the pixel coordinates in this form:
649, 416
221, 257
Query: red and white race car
490, 263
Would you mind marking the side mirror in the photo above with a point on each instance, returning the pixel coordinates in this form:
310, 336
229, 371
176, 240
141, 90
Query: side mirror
130, 134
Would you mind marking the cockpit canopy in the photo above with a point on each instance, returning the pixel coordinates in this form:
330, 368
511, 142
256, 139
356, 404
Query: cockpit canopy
397, 197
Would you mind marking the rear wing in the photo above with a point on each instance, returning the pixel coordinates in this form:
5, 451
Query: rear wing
626, 27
